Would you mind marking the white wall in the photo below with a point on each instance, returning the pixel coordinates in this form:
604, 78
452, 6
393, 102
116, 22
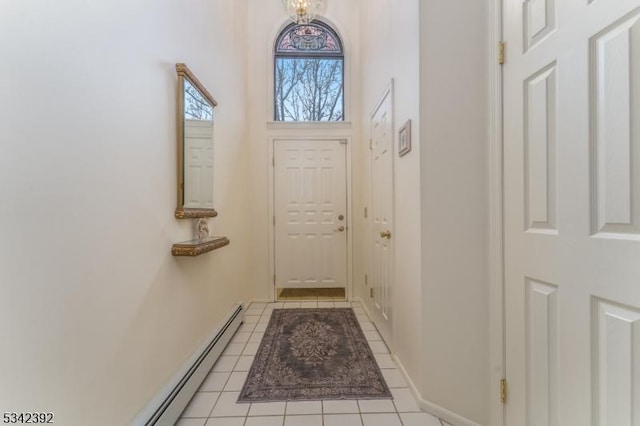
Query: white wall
390, 49
454, 191
96, 314
265, 21
436, 52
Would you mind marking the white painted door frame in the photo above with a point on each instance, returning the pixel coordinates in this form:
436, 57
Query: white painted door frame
496, 234
310, 135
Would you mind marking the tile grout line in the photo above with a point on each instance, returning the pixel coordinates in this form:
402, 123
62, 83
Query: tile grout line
264, 313
214, 405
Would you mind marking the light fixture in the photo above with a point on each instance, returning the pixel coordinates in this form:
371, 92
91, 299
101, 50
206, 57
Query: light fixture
302, 11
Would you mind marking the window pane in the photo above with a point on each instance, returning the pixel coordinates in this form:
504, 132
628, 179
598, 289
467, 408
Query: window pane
309, 89
196, 106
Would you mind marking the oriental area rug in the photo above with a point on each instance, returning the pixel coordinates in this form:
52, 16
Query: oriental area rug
313, 354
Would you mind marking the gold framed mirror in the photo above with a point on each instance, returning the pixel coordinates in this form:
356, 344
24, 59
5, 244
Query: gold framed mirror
195, 147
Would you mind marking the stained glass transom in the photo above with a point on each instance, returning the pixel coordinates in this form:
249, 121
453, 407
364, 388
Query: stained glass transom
314, 38
308, 74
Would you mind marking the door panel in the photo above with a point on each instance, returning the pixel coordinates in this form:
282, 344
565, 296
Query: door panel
572, 212
382, 215
540, 151
310, 214
616, 358
615, 80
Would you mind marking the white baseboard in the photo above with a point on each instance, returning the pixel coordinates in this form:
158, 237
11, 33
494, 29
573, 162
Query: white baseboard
260, 301
364, 306
165, 408
431, 408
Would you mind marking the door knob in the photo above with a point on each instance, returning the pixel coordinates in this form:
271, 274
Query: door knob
386, 234
341, 217
340, 229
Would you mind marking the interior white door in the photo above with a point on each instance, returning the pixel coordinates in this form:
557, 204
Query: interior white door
310, 213
198, 168
572, 212
382, 215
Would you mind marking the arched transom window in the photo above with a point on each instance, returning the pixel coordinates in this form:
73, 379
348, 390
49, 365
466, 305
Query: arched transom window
309, 74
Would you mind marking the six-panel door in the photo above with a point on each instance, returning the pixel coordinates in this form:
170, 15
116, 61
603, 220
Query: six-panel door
572, 212
310, 207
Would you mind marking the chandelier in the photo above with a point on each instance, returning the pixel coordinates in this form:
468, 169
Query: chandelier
302, 11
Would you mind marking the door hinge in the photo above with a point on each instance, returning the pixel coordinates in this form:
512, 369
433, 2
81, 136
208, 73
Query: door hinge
366, 212
366, 279
274, 279
371, 292
274, 221
503, 390
501, 52
273, 161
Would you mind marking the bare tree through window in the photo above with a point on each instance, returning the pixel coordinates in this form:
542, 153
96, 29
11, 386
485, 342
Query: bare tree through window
196, 106
309, 74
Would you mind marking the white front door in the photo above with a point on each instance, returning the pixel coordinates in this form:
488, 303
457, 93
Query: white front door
310, 207
382, 214
198, 167
572, 212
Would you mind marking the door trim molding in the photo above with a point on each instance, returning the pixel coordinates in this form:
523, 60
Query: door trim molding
496, 218
388, 92
320, 136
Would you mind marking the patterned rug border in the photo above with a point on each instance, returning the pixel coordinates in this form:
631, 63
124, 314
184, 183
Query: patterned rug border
269, 339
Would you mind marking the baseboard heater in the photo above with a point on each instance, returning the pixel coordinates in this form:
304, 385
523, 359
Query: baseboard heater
165, 409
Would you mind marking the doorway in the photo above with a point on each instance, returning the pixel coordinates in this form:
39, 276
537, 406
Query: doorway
310, 218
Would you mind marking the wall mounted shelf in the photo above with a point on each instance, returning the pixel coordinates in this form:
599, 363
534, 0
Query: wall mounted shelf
186, 213
197, 247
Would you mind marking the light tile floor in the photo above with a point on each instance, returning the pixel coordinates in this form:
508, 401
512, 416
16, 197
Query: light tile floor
215, 402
